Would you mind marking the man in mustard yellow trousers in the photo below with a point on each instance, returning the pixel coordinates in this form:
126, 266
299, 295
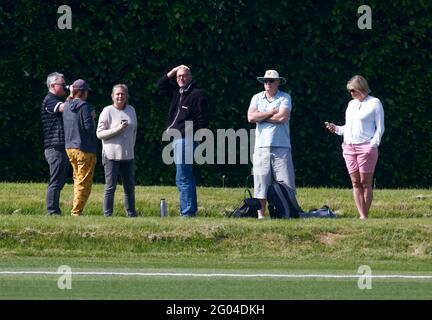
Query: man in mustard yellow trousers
83, 164
80, 143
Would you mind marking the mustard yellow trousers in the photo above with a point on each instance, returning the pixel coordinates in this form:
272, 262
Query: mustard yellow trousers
83, 164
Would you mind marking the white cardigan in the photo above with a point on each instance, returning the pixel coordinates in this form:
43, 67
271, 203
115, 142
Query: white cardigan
364, 122
117, 144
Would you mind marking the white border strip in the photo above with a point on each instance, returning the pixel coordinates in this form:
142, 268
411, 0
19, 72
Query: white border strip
222, 275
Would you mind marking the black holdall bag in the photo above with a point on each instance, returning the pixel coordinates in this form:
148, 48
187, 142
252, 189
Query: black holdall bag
249, 209
323, 212
282, 202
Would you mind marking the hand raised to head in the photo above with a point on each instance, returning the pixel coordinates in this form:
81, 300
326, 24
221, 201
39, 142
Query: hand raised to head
173, 71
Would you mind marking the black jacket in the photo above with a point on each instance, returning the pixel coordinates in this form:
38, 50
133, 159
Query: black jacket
189, 104
52, 122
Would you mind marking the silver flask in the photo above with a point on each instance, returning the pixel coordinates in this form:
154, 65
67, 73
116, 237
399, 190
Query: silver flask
163, 208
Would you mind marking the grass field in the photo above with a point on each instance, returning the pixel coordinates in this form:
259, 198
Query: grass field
214, 257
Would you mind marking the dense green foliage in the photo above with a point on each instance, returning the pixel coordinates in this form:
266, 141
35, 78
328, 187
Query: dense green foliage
316, 45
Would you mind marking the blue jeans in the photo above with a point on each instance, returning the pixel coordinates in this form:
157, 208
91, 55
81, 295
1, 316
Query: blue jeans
185, 180
112, 171
58, 166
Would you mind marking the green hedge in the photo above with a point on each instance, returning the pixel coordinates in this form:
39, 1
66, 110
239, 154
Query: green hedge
316, 45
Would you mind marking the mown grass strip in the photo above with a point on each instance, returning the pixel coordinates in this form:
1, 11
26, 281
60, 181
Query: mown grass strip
219, 275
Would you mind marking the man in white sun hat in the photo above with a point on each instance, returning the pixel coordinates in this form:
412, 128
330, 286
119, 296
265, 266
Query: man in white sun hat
270, 110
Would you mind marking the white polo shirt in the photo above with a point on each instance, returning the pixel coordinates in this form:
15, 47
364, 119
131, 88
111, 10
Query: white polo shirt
364, 122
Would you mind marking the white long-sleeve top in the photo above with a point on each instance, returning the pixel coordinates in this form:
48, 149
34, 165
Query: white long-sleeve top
364, 122
117, 143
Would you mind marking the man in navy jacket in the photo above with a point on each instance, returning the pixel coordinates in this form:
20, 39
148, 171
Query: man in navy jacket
54, 142
188, 106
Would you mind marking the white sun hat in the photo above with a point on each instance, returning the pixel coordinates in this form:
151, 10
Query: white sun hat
271, 74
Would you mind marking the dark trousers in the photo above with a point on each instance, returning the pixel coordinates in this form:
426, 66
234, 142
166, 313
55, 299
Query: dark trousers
114, 169
58, 166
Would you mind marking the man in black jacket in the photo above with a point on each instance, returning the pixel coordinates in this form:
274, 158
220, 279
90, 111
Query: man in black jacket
54, 142
188, 108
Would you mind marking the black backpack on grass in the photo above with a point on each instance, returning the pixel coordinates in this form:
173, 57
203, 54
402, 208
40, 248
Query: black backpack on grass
282, 202
323, 212
249, 209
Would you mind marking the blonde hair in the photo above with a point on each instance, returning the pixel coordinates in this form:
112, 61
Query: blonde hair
358, 83
125, 89
80, 94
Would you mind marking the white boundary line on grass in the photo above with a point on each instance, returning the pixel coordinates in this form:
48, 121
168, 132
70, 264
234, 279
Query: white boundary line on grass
224, 275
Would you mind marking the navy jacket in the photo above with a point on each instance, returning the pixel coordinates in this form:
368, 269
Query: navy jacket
189, 104
52, 122
79, 126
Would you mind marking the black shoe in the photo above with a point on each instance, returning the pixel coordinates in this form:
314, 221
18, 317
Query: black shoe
54, 214
107, 214
131, 215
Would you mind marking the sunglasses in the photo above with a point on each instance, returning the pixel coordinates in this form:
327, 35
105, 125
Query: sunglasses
352, 90
269, 80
